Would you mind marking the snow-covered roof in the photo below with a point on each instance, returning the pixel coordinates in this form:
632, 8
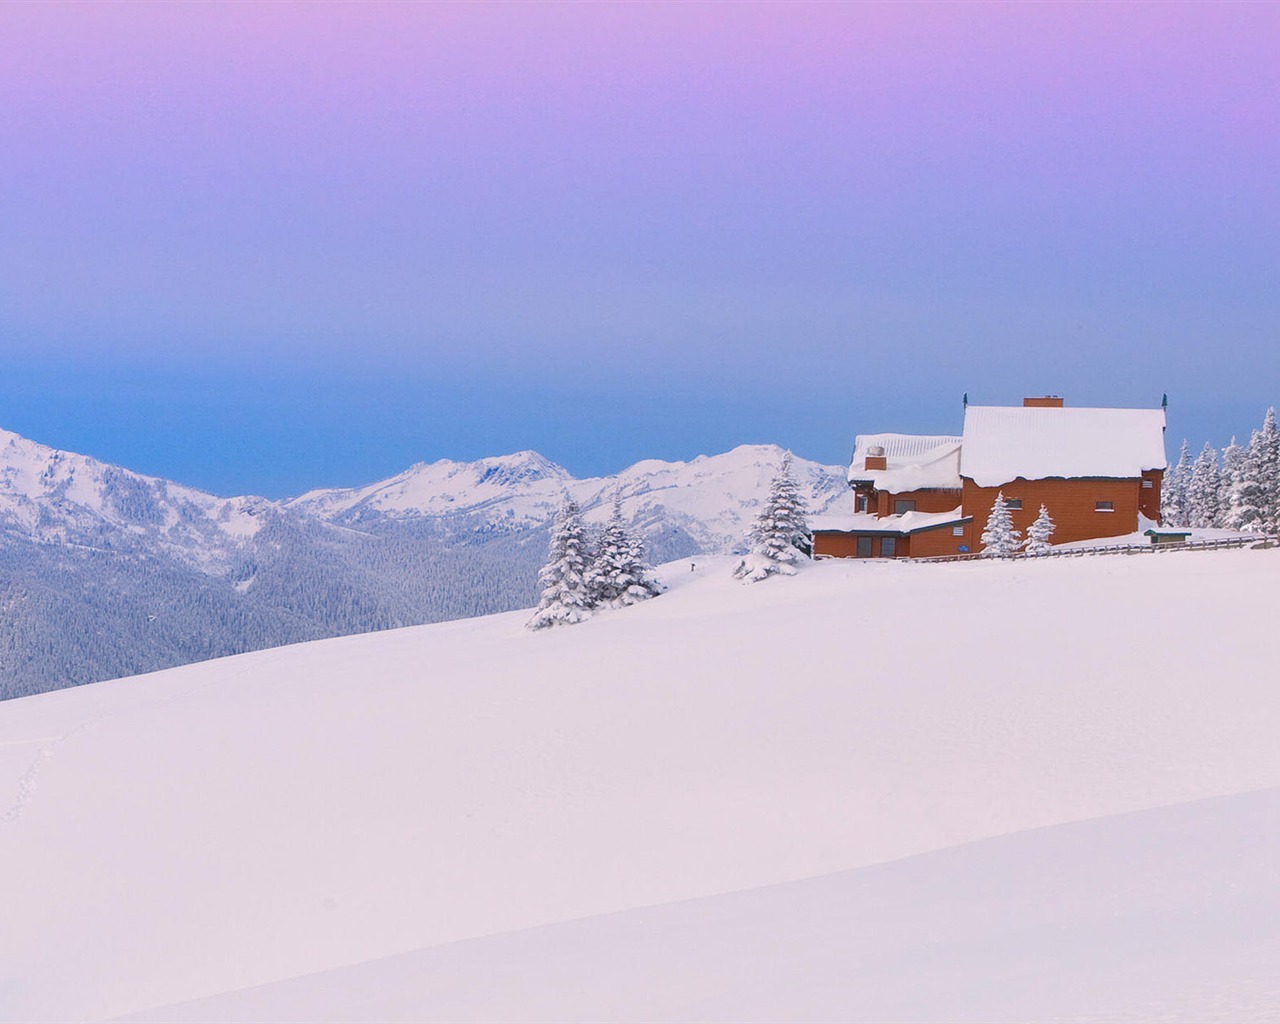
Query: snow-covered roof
914, 462
1002, 443
906, 522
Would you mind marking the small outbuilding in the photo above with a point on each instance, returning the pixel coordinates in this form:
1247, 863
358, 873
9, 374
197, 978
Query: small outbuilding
1163, 536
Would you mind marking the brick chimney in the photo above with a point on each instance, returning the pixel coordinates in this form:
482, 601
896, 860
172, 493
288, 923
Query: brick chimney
876, 459
1047, 402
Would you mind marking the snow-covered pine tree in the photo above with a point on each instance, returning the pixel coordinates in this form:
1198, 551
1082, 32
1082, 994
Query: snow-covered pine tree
1038, 534
1203, 489
645, 584
619, 575
565, 599
1000, 539
1268, 472
780, 538
1251, 495
1234, 458
1173, 497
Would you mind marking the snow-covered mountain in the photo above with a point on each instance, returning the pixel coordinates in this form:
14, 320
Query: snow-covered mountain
712, 499
105, 572
441, 488
55, 497
996, 792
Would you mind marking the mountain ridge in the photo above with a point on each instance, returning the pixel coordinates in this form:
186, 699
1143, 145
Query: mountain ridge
107, 572
429, 491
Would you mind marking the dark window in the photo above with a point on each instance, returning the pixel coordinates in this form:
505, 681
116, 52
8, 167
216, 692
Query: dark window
1013, 502
1105, 506
888, 547
864, 547
903, 505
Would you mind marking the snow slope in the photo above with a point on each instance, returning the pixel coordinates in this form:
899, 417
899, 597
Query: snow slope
284, 814
1171, 914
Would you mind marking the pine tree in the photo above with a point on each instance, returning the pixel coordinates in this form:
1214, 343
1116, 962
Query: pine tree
780, 538
1203, 489
565, 599
1251, 495
1234, 458
1173, 504
644, 584
1268, 473
619, 575
1000, 539
1038, 534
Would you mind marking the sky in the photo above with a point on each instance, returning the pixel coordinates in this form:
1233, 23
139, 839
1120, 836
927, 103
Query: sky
265, 248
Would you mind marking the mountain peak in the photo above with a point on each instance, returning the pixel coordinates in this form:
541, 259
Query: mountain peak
496, 470
518, 468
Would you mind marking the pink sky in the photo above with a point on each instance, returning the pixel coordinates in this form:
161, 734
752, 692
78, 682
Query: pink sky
454, 188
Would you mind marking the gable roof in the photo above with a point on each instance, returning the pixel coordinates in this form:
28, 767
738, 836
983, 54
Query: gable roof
1001, 443
914, 462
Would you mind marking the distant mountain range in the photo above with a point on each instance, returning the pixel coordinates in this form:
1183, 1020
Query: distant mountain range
105, 572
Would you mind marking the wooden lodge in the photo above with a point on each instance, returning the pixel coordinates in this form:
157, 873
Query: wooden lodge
1097, 471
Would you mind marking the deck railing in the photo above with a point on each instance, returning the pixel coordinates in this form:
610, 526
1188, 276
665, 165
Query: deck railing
1256, 540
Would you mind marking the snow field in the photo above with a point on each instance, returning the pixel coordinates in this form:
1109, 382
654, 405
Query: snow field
1170, 914
237, 823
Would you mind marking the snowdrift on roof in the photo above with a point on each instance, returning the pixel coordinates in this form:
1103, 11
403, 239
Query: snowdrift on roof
903, 522
914, 462
1001, 444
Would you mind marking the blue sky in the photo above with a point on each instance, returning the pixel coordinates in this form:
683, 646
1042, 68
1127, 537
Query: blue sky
265, 248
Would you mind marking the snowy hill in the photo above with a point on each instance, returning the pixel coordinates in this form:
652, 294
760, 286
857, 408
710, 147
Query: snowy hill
706, 799
1100, 920
105, 572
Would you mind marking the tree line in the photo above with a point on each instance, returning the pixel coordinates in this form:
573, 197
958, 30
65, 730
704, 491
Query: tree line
1239, 490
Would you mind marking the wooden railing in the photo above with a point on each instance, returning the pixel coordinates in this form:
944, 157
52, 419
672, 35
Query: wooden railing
1256, 540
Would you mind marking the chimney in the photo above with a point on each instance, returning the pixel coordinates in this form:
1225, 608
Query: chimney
1047, 402
876, 459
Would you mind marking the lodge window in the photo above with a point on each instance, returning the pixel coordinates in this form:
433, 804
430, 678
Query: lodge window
957, 531
904, 505
1105, 506
861, 502
1148, 485
888, 547
1013, 502
864, 547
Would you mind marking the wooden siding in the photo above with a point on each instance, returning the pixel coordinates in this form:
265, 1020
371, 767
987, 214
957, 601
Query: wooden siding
930, 500
1071, 504
830, 544
940, 540
834, 545
1149, 497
